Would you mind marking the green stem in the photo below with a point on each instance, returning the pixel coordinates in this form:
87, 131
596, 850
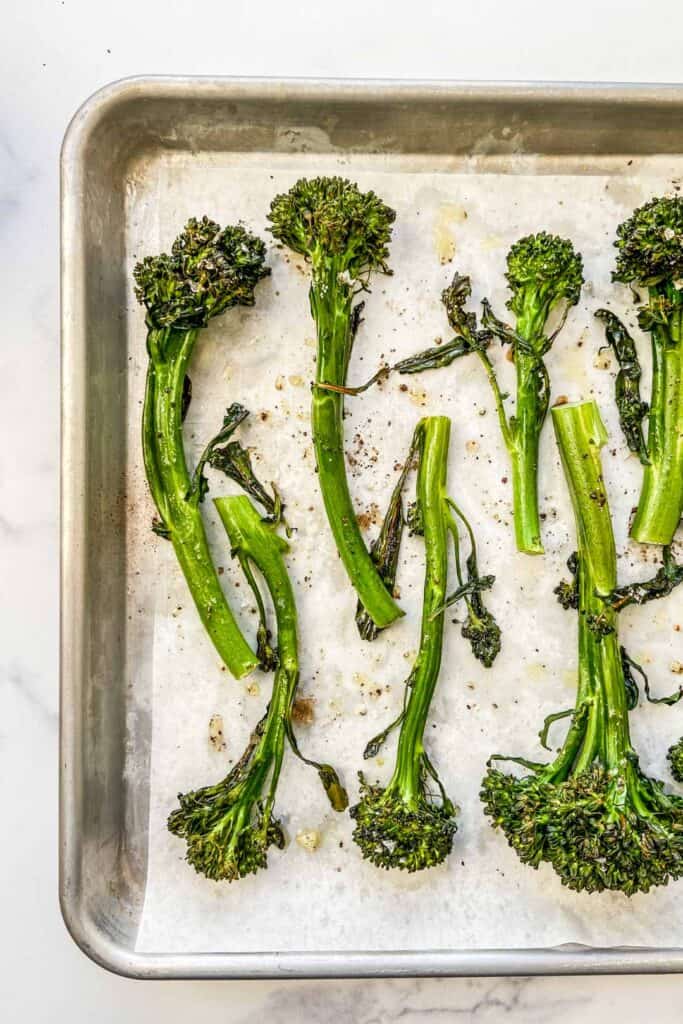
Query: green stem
257, 543
432, 497
169, 480
580, 436
529, 415
661, 498
331, 306
149, 445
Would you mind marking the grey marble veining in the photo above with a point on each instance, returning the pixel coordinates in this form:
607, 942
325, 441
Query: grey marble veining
56, 52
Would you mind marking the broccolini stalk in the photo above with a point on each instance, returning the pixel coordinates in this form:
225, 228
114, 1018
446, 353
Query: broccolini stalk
544, 274
650, 256
403, 826
344, 234
591, 813
230, 826
208, 271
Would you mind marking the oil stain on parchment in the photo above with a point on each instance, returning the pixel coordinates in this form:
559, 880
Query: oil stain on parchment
448, 216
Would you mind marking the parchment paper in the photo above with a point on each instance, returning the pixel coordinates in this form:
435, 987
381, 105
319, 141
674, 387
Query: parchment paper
451, 214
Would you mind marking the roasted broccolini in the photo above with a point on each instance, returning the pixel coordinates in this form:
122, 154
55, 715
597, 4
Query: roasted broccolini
208, 271
591, 813
545, 275
229, 826
344, 234
406, 825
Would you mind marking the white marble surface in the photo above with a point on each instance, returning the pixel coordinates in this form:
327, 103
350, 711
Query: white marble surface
54, 53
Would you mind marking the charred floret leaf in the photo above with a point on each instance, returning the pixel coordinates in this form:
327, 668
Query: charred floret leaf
632, 409
568, 591
631, 670
415, 520
331, 783
455, 298
332, 215
600, 624
482, 630
235, 415
208, 270
373, 746
462, 322
235, 461
385, 550
630, 682
186, 400
160, 529
394, 834
265, 651
435, 358
480, 626
664, 582
674, 756
468, 337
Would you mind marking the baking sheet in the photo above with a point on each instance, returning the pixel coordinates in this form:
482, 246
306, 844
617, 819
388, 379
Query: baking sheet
451, 214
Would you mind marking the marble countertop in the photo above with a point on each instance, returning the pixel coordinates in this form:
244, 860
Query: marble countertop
55, 53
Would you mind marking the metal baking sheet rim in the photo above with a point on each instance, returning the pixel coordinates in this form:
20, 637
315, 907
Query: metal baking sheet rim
86, 931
